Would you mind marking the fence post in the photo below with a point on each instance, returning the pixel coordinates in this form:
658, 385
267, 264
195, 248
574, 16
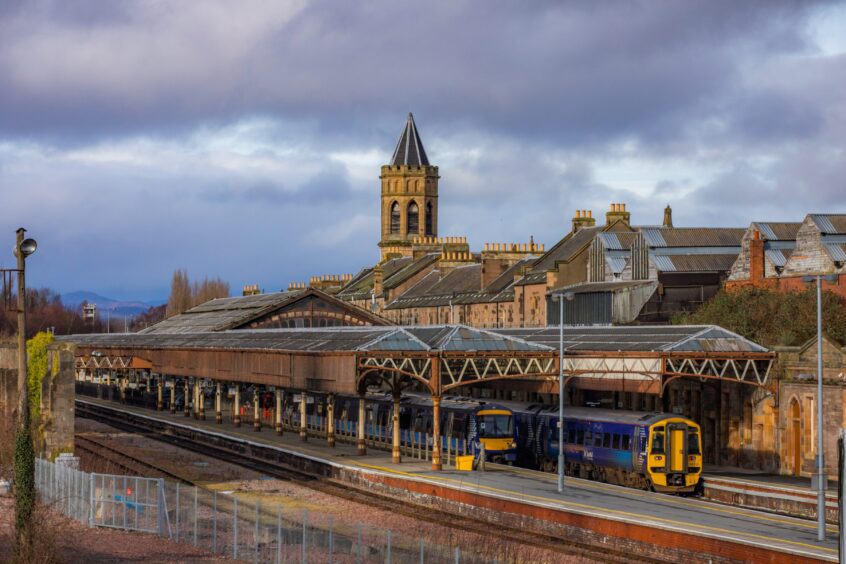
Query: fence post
358, 550
256, 534
278, 535
161, 505
422, 552
331, 539
304, 557
235, 530
214, 522
388, 554
457, 555
177, 508
91, 494
195, 516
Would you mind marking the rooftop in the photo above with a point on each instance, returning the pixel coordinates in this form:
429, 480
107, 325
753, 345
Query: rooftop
410, 151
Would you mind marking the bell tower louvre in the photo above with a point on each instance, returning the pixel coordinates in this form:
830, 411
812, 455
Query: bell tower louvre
409, 195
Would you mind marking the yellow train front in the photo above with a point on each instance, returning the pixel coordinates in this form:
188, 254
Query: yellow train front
674, 458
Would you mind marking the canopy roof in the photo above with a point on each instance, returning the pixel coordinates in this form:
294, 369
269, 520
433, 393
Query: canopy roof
461, 338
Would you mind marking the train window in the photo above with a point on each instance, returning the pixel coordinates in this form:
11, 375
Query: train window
587, 437
405, 418
606, 440
615, 441
597, 439
625, 445
642, 444
692, 441
657, 441
571, 436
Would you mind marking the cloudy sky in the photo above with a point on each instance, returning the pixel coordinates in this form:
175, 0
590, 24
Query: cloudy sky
244, 139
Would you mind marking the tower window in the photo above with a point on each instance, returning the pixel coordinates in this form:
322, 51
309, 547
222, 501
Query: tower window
413, 218
429, 229
395, 218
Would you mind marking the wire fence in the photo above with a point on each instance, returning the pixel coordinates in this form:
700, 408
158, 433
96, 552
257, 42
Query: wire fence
239, 527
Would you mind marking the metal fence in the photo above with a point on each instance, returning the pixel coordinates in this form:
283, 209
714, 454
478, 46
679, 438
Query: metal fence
243, 528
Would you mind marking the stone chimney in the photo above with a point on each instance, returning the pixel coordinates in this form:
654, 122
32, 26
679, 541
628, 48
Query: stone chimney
668, 216
583, 218
756, 258
499, 257
251, 290
378, 280
617, 212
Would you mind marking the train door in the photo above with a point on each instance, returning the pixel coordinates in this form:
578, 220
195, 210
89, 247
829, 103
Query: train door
676, 447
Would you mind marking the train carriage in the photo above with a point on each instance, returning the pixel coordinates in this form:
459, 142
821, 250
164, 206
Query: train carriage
658, 451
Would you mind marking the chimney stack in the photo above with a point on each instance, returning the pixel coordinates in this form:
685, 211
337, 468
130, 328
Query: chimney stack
617, 212
668, 216
583, 218
756, 258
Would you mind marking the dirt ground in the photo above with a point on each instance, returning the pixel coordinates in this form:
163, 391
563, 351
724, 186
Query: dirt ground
63, 540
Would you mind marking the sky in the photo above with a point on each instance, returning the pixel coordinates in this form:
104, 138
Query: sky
244, 139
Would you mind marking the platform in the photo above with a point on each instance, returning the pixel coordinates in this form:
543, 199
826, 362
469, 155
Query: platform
611, 510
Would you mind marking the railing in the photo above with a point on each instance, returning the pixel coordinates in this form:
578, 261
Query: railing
226, 524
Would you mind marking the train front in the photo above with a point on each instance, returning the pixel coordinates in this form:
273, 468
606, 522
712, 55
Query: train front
495, 429
674, 460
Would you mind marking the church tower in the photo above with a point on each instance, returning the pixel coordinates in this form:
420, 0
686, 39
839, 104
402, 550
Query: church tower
409, 195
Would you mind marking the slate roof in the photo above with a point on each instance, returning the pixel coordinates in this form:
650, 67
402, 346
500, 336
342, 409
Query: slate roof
231, 313
564, 249
830, 224
360, 286
410, 149
224, 313
693, 262
778, 231
693, 236
459, 285
591, 287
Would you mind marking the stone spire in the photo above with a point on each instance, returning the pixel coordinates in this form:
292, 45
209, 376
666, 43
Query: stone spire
668, 216
409, 151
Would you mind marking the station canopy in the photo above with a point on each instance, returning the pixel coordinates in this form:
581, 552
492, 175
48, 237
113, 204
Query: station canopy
444, 357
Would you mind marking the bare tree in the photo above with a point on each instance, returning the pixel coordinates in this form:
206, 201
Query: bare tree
184, 295
180, 293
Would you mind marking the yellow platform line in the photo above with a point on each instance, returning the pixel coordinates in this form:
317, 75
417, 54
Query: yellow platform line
599, 486
573, 504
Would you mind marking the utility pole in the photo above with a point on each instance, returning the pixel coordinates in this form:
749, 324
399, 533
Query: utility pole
24, 450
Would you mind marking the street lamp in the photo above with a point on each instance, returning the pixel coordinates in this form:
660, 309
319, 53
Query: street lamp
820, 444
24, 454
561, 298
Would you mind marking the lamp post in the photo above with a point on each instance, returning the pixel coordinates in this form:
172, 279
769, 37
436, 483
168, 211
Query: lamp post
24, 454
820, 443
561, 298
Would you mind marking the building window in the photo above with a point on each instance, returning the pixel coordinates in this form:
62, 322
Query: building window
429, 220
413, 218
395, 218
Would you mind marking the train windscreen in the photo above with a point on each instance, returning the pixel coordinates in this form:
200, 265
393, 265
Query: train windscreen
692, 441
495, 426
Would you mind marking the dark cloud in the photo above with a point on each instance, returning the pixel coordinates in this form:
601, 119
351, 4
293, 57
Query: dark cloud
244, 139
570, 72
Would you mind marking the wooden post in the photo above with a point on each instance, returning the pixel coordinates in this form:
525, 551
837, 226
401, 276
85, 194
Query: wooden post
396, 457
278, 412
330, 420
360, 442
236, 418
173, 396
218, 414
303, 417
256, 410
186, 409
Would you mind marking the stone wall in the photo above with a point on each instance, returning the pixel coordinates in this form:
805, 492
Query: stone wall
54, 429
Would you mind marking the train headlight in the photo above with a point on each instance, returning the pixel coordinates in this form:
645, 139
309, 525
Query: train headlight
513, 444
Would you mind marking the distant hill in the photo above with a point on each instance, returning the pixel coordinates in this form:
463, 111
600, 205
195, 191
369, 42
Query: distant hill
118, 308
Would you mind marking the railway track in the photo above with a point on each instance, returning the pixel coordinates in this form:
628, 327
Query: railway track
334, 488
